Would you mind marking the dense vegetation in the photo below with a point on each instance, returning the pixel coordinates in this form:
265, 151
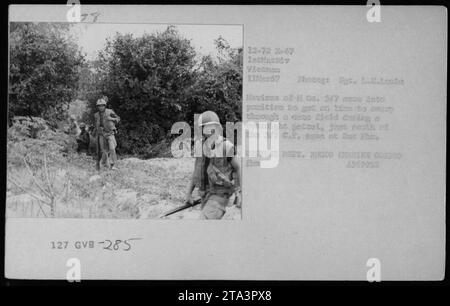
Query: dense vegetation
151, 81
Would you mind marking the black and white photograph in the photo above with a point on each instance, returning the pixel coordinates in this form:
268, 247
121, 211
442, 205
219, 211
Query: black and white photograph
90, 116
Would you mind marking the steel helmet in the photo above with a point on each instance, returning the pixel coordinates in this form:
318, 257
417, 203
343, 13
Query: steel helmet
208, 118
101, 102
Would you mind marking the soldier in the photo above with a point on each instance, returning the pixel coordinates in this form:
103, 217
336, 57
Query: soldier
217, 175
83, 139
105, 120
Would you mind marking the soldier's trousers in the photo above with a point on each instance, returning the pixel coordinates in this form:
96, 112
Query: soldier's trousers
108, 146
214, 207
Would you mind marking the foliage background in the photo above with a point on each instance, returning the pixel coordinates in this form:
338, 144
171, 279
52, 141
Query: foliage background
151, 81
44, 70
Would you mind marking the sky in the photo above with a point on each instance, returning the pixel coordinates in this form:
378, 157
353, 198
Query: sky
91, 37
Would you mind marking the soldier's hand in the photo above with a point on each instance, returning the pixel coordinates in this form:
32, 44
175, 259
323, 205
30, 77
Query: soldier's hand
189, 199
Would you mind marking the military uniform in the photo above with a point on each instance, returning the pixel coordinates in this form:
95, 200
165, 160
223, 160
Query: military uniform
213, 176
107, 129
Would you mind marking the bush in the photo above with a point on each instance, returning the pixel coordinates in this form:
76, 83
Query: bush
161, 149
44, 70
53, 144
218, 85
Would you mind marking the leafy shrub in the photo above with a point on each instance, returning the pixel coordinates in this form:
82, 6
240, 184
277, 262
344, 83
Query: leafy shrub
156, 80
23, 127
44, 69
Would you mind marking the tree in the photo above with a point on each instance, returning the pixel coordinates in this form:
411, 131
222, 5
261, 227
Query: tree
218, 84
44, 70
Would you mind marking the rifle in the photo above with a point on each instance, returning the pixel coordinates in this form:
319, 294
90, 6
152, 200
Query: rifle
183, 207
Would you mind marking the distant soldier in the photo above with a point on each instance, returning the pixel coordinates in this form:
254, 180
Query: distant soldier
73, 126
105, 120
83, 139
217, 175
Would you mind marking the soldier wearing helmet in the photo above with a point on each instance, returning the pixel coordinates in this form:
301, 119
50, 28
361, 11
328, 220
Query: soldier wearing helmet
105, 123
217, 172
